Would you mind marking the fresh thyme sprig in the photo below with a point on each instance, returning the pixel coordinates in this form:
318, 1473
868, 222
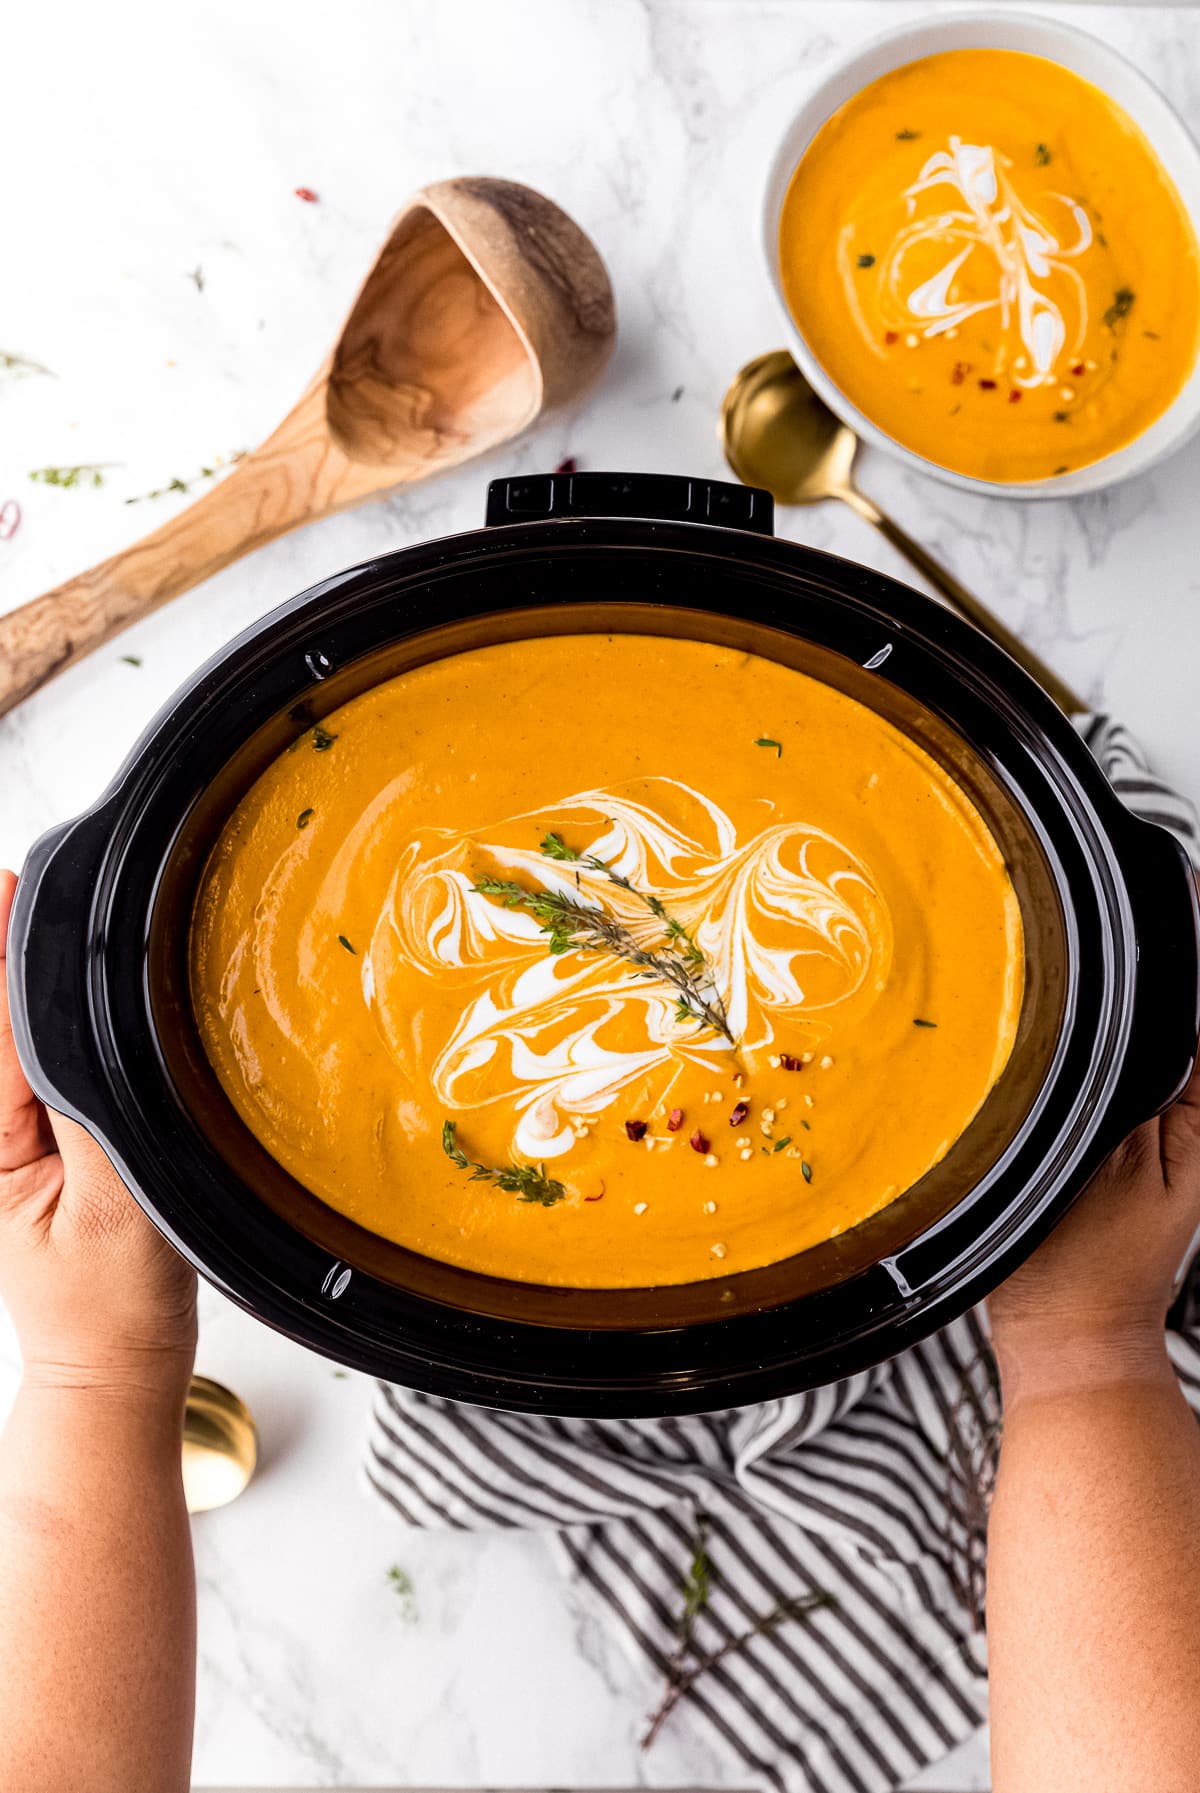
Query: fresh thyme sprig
554, 847
222, 464
686, 1664
575, 926
528, 1182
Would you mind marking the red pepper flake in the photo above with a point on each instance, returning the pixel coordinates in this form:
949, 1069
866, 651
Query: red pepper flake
738, 1113
959, 372
307, 195
10, 519
600, 1197
570, 465
1014, 397
675, 1122
890, 336
636, 1129
987, 385
698, 1143
789, 1062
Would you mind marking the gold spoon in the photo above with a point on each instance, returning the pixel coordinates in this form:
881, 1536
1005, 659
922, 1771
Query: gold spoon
777, 433
220, 1445
486, 305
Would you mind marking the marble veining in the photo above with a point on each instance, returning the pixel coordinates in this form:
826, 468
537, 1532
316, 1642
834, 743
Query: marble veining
158, 261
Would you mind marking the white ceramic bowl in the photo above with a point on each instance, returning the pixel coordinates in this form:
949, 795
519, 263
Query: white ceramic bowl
1097, 63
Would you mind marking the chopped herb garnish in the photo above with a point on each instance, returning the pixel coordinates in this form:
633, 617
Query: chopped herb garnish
342, 941
1062, 417
806, 1126
919, 1022
1042, 156
1153, 335
806, 1170
766, 741
1120, 308
907, 136
780, 1143
87, 473
304, 818
866, 261
130, 660
322, 740
528, 1182
340, 1375
1059, 470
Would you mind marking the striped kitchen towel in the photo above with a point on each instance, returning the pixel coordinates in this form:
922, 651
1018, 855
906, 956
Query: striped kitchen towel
819, 1558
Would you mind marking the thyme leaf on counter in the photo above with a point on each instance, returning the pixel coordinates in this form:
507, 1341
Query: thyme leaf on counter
574, 926
401, 1584
85, 473
528, 1182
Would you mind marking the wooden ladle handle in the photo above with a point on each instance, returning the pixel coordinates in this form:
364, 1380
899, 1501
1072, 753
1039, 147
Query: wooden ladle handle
296, 475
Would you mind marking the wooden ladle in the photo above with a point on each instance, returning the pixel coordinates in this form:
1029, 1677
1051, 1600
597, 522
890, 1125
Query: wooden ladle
486, 306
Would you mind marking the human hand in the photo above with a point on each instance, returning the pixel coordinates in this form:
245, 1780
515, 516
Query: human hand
97, 1295
1091, 1302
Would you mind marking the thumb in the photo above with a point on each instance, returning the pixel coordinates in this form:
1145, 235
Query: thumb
100, 1203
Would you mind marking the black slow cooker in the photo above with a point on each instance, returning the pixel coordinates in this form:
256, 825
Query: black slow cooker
1107, 1033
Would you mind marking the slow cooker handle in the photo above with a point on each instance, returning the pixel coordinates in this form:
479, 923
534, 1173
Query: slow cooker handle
1166, 1014
656, 497
48, 954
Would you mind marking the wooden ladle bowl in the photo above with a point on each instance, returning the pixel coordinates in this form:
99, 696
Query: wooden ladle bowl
486, 306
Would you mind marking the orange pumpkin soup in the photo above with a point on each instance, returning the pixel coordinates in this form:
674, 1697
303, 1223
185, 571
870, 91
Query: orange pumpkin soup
987, 257
606, 961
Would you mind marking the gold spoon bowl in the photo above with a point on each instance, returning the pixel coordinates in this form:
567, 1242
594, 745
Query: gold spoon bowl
777, 433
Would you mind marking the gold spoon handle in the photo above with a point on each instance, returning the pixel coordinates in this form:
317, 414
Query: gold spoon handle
964, 601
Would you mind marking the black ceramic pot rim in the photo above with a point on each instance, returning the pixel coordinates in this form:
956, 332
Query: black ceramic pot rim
87, 1033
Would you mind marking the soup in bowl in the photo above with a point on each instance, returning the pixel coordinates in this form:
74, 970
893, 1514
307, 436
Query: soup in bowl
987, 259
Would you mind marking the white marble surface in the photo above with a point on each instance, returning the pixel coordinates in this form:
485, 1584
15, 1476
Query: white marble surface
141, 142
